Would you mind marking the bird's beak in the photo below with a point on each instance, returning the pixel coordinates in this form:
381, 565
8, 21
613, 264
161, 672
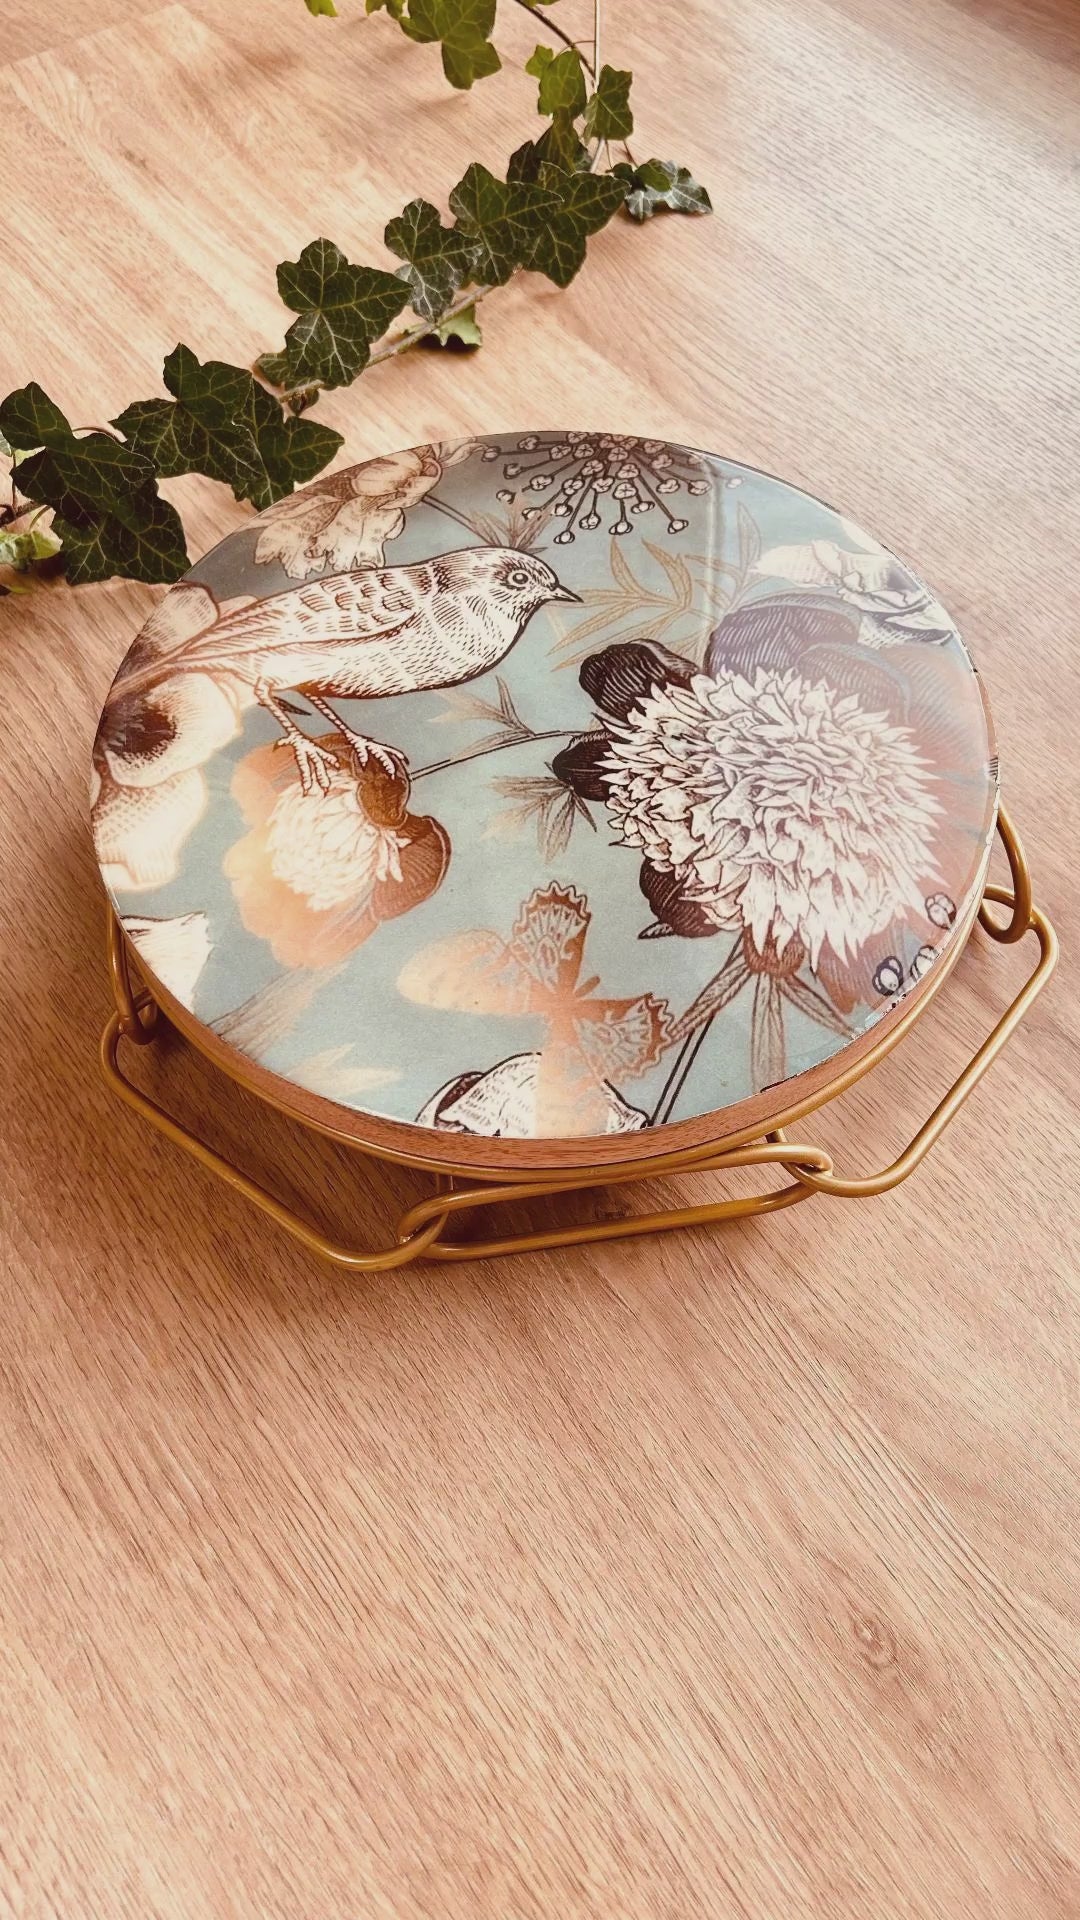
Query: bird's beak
564, 593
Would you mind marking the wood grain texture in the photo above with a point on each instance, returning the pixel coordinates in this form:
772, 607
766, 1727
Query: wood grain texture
723, 1575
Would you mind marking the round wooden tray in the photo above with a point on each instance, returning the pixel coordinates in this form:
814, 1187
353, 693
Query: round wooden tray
546, 808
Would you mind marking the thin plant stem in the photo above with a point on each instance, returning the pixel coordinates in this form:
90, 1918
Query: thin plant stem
501, 746
680, 1073
552, 26
451, 513
401, 342
409, 337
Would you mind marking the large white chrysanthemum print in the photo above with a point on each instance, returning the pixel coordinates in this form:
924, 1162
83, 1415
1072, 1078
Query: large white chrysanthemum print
780, 804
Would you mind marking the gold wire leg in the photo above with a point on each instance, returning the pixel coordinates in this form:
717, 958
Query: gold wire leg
344, 1256
136, 1019
786, 1153
1024, 917
420, 1226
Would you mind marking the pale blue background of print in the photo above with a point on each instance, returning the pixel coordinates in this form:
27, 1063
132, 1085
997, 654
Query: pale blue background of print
489, 878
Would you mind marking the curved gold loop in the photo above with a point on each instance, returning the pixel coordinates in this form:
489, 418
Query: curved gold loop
420, 1226
408, 1247
788, 1153
623, 1229
858, 1187
137, 1012
1020, 919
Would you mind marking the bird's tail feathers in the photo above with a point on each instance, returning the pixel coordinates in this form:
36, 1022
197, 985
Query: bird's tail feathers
185, 613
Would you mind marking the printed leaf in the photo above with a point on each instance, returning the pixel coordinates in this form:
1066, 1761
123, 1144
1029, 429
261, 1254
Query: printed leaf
677, 572
544, 802
501, 220
585, 202
223, 423
341, 309
436, 257
815, 1006
539, 58
608, 115
661, 186
322, 6
749, 540
472, 706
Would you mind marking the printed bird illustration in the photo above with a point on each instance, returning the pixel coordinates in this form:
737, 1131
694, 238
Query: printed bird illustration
363, 634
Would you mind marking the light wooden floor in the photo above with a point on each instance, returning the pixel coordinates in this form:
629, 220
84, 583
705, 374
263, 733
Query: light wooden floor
722, 1576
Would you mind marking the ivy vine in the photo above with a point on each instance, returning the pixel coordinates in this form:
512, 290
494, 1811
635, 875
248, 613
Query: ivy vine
86, 501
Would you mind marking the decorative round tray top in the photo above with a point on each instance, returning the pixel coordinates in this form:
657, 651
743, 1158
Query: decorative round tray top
545, 786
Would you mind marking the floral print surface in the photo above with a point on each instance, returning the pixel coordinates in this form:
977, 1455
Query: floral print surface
322, 867
544, 786
536, 973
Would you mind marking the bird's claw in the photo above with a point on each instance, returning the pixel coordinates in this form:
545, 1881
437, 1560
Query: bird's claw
393, 764
314, 763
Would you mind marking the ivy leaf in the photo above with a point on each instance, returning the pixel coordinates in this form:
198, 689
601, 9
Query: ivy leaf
395, 8
106, 506
501, 220
28, 418
460, 332
608, 115
463, 65
436, 257
659, 186
463, 28
562, 80
274, 369
322, 6
106, 510
341, 309
21, 551
5, 450
560, 144
584, 202
223, 423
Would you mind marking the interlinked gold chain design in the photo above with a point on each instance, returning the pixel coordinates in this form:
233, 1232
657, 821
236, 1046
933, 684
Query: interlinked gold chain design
421, 1227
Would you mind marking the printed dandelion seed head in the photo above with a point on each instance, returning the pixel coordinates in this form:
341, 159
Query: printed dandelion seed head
589, 481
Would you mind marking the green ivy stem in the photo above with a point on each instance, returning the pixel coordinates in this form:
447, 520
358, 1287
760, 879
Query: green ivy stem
552, 26
409, 337
592, 67
395, 343
499, 746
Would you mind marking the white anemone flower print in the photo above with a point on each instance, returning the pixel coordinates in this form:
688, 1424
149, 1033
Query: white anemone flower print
893, 606
346, 519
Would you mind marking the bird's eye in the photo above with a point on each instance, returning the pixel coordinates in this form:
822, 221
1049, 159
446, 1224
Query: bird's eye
517, 577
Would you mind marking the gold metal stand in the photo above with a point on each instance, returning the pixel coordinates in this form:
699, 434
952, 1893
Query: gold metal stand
421, 1227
